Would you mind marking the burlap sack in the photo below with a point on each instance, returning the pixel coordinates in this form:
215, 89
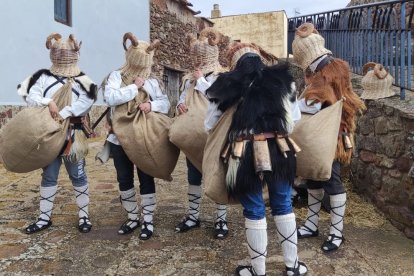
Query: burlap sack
33, 139
144, 138
317, 136
214, 171
188, 132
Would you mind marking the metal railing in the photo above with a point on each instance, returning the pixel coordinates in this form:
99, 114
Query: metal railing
379, 32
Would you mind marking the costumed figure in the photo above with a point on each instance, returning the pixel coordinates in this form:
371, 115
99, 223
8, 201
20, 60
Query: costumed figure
376, 83
328, 81
121, 87
259, 151
63, 79
192, 107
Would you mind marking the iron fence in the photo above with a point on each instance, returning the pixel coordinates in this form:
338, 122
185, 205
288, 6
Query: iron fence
379, 32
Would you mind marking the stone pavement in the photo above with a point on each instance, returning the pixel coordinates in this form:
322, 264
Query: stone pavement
372, 247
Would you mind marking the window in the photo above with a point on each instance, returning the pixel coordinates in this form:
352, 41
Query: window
63, 11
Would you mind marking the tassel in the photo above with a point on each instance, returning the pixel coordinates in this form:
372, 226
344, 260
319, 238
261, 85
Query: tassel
231, 175
78, 149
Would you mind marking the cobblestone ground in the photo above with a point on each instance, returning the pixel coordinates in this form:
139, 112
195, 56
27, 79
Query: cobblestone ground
370, 248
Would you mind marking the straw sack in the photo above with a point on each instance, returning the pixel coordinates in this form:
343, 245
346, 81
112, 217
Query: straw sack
144, 137
33, 139
188, 132
317, 136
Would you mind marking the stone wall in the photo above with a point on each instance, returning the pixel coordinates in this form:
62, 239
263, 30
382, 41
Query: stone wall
267, 29
382, 167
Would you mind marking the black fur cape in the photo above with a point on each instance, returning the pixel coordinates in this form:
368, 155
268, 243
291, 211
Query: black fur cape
83, 80
263, 105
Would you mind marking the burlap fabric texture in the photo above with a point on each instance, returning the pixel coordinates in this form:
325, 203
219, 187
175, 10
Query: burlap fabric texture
64, 55
377, 83
33, 139
308, 45
144, 137
317, 136
214, 169
188, 132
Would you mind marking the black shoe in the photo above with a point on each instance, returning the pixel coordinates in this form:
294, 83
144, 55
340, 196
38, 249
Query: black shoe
329, 246
145, 234
126, 227
183, 227
85, 226
249, 268
312, 233
296, 271
219, 231
33, 228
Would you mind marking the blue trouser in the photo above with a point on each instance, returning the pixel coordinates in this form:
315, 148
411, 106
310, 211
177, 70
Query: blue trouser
194, 175
279, 197
125, 172
76, 173
334, 185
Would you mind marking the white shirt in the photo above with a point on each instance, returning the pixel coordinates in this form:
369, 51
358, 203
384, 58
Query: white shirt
309, 106
115, 95
202, 84
80, 105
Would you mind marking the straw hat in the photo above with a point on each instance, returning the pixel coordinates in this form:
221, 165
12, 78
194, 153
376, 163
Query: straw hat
237, 49
204, 50
139, 57
308, 45
377, 83
64, 55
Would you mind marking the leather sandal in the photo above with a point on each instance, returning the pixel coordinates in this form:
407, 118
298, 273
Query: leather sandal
312, 233
183, 227
296, 270
33, 228
248, 267
85, 226
219, 231
126, 227
145, 232
329, 246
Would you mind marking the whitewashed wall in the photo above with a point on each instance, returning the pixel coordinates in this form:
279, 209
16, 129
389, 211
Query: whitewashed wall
99, 24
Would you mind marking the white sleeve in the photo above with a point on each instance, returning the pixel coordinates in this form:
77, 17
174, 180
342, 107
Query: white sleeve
79, 107
35, 97
203, 84
160, 102
212, 116
309, 106
184, 93
115, 95
296, 114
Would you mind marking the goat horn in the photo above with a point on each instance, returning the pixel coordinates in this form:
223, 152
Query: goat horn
132, 38
55, 36
154, 45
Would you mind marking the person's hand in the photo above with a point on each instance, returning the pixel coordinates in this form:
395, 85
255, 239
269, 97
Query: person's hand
53, 109
139, 82
182, 108
197, 74
145, 107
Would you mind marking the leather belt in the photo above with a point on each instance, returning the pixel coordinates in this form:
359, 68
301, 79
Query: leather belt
261, 136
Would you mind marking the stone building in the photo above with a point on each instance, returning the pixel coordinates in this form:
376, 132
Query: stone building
267, 29
170, 22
